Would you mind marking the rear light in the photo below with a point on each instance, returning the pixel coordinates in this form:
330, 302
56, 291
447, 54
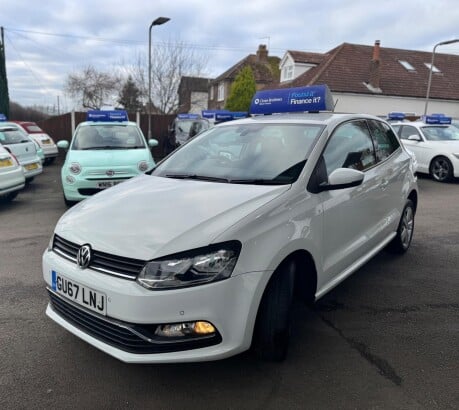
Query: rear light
13, 157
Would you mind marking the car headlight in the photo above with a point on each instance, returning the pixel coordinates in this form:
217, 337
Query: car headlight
75, 168
196, 267
143, 166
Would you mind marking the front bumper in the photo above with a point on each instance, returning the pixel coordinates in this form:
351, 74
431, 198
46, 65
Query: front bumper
230, 305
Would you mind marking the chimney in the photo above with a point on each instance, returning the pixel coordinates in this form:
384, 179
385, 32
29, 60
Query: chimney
376, 50
262, 54
375, 68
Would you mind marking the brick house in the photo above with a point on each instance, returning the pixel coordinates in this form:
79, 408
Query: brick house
193, 94
377, 80
265, 70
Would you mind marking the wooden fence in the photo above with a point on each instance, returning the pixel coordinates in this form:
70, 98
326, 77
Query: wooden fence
60, 128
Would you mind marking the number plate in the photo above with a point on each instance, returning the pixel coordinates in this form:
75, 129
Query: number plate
29, 167
46, 141
107, 184
89, 298
5, 162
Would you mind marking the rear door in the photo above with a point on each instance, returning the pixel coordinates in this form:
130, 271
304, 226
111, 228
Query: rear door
20, 144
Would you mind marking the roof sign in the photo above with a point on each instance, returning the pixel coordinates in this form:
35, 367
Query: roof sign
239, 114
107, 116
3, 117
227, 116
437, 119
398, 116
211, 113
300, 99
188, 116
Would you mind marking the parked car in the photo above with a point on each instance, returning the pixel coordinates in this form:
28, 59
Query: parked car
435, 143
201, 258
105, 150
23, 148
12, 178
45, 142
186, 126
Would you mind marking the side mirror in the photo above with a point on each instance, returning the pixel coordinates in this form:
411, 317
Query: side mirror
414, 137
153, 143
63, 144
343, 178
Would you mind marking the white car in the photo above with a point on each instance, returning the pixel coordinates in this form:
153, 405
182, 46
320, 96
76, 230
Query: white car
11, 176
23, 148
435, 143
45, 142
201, 258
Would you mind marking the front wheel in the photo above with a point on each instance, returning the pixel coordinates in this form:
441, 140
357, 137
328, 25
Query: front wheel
272, 329
9, 197
402, 240
441, 169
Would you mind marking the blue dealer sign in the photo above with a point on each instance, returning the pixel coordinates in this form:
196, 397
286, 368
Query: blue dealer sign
300, 99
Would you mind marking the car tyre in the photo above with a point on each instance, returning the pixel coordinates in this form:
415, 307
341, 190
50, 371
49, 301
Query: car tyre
441, 169
272, 328
402, 241
9, 197
29, 180
69, 203
49, 161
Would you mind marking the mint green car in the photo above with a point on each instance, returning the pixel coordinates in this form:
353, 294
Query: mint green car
105, 151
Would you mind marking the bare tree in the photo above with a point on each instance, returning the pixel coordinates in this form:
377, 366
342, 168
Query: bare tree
170, 61
92, 88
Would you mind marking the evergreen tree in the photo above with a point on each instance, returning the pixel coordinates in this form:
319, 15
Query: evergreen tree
129, 96
242, 91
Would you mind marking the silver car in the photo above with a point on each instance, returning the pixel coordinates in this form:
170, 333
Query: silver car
23, 148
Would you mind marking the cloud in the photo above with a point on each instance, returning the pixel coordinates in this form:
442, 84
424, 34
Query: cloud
46, 41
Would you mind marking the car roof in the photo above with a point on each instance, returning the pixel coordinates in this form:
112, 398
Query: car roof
418, 124
322, 118
90, 123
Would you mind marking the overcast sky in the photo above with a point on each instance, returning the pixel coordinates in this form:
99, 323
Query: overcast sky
45, 41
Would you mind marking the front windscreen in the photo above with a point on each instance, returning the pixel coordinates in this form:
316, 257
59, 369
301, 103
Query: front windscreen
245, 153
107, 136
441, 133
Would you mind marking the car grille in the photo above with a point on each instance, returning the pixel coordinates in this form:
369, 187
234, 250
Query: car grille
119, 266
129, 337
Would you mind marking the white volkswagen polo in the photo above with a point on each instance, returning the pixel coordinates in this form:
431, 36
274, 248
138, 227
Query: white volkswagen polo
201, 259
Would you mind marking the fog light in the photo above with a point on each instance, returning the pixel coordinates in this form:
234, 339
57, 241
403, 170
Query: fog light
70, 179
199, 328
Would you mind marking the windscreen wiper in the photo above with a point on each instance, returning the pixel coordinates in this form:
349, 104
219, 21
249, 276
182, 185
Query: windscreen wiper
198, 177
258, 181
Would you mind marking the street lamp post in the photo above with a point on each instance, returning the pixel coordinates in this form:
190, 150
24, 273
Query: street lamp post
156, 22
442, 43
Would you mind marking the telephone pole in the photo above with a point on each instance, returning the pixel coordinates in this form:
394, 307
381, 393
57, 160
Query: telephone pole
4, 96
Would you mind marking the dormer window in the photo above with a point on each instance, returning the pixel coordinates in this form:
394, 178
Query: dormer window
406, 65
432, 67
287, 72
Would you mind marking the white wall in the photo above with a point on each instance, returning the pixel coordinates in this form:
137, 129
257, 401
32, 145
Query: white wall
199, 102
381, 105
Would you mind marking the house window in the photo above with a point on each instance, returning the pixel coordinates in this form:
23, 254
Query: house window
432, 67
221, 92
407, 65
287, 72
211, 95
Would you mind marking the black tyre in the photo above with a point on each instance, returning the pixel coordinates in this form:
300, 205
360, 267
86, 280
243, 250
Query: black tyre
402, 240
9, 197
49, 161
441, 169
69, 203
29, 180
272, 328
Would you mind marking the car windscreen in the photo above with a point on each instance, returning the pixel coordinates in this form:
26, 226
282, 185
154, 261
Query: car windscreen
108, 136
441, 133
244, 153
12, 136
